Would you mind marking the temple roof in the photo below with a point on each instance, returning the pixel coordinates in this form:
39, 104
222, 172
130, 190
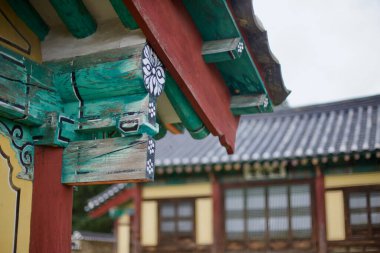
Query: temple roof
319, 131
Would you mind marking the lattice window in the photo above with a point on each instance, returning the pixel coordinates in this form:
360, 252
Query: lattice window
363, 213
274, 217
176, 219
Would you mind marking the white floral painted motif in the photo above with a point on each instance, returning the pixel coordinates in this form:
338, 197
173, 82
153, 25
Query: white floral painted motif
149, 167
153, 72
151, 147
265, 102
240, 47
152, 110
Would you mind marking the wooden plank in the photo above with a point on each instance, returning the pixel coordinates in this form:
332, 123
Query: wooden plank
124, 14
75, 16
123, 159
248, 104
222, 50
202, 85
51, 204
30, 17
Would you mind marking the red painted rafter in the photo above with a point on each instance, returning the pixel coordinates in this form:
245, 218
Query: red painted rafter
120, 198
174, 37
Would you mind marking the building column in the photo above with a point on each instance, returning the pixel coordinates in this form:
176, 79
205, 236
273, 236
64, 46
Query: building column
52, 204
320, 210
137, 220
217, 204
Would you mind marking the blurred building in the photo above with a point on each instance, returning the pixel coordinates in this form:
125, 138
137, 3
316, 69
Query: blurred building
302, 180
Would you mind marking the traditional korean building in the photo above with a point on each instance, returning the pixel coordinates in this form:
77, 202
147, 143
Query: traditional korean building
86, 86
301, 180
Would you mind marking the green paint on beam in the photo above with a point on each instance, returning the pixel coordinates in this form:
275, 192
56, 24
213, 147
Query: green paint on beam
215, 22
75, 16
30, 17
161, 130
124, 14
185, 111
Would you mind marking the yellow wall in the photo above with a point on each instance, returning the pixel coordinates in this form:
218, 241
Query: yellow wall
203, 219
335, 215
10, 164
177, 191
149, 223
123, 234
356, 179
9, 33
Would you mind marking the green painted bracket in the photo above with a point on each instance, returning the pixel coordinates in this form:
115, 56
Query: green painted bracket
58, 130
216, 23
250, 104
75, 16
222, 50
185, 111
26, 89
124, 14
104, 160
30, 17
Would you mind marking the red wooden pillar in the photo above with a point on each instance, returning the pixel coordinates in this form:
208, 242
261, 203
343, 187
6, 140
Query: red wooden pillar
51, 204
320, 210
217, 204
137, 220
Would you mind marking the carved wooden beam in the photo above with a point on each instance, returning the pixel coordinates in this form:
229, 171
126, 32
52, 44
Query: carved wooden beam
245, 104
26, 89
222, 50
75, 16
109, 161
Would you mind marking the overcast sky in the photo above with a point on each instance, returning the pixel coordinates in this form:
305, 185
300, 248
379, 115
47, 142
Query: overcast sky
328, 49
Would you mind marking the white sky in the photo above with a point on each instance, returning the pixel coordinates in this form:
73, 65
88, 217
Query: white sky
328, 49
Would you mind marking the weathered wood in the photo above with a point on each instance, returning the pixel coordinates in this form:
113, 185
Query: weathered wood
202, 84
248, 104
57, 130
214, 21
75, 16
222, 50
26, 89
123, 159
30, 17
186, 113
256, 39
51, 204
124, 14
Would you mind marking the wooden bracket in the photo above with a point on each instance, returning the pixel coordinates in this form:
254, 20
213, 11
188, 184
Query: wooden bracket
57, 130
123, 159
248, 104
222, 50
